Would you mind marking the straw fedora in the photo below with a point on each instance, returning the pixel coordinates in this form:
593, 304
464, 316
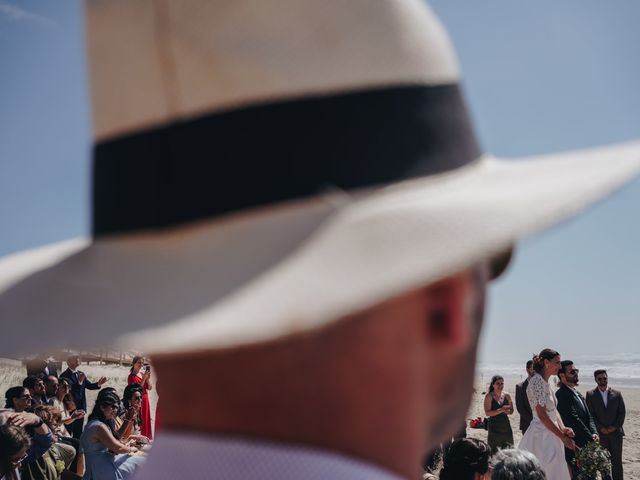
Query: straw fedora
262, 169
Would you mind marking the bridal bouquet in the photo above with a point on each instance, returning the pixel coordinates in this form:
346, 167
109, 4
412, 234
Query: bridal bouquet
591, 460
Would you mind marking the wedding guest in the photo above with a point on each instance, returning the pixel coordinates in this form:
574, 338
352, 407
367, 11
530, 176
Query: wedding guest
51, 384
497, 405
35, 385
106, 457
466, 459
14, 443
514, 464
67, 416
128, 423
41, 439
40, 366
522, 403
573, 409
62, 416
79, 383
64, 451
547, 433
18, 398
142, 376
608, 410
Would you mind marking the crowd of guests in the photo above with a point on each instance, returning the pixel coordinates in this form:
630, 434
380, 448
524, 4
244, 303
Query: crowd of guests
43, 435
555, 425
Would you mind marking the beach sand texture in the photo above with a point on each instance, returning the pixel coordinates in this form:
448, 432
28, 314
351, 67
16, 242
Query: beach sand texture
631, 446
12, 373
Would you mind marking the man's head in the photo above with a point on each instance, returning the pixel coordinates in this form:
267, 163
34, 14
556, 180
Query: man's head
601, 378
568, 373
73, 361
51, 385
529, 368
361, 384
34, 384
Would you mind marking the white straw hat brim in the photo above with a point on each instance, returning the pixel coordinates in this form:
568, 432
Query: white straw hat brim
292, 268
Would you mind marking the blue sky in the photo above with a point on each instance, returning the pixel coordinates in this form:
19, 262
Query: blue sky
540, 76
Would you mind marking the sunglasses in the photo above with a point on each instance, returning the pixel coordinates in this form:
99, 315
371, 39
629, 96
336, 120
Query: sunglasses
601, 379
574, 371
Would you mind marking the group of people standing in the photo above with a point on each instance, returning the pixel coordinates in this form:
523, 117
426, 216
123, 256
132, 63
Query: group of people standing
43, 425
554, 426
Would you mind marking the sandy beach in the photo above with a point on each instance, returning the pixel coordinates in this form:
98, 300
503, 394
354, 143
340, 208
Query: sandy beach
631, 449
12, 373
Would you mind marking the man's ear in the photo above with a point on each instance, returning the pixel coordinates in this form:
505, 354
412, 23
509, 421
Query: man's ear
449, 313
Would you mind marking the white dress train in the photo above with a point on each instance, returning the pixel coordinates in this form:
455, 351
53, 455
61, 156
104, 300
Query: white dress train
546, 446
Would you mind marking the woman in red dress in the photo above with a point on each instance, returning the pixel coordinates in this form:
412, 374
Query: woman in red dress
144, 378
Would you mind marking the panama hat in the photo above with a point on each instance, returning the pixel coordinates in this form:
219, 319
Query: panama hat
262, 169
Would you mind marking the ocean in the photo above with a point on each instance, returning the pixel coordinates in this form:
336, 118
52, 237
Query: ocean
623, 369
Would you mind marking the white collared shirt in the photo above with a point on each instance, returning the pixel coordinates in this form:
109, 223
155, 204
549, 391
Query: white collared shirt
604, 395
181, 455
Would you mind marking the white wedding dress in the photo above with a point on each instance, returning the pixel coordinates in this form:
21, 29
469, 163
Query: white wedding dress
546, 446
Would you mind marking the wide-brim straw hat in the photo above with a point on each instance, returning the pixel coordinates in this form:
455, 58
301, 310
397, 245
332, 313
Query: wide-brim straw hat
263, 169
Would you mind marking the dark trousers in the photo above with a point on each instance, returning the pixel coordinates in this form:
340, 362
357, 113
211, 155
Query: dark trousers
75, 428
613, 443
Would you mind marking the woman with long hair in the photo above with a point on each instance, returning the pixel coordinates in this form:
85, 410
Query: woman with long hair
497, 405
547, 436
106, 457
64, 390
141, 374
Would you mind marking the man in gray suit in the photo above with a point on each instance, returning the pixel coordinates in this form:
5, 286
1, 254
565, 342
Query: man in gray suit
607, 408
522, 402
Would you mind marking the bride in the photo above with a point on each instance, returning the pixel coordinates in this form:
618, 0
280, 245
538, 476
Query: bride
547, 436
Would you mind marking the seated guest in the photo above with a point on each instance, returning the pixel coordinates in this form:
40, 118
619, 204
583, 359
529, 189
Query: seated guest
128, 423
466, 459
106, 458
513, 464
59, 402
14, 443
35, 385
36, 465
18, 399
64, 452
51, 385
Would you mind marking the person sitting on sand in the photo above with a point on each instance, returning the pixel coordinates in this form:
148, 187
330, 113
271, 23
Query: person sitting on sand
128, 423
35, 385
497, 405
106, 457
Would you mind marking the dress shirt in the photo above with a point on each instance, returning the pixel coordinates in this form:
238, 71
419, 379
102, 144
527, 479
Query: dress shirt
575, 392
181, 455
605, 396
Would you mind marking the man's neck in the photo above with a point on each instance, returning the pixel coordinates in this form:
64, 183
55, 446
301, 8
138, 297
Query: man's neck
603, 389
572, 386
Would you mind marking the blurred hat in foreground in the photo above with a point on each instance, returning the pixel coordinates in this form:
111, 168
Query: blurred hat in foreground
262, 169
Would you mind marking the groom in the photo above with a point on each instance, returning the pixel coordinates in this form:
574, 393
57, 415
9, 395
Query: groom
572, 407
